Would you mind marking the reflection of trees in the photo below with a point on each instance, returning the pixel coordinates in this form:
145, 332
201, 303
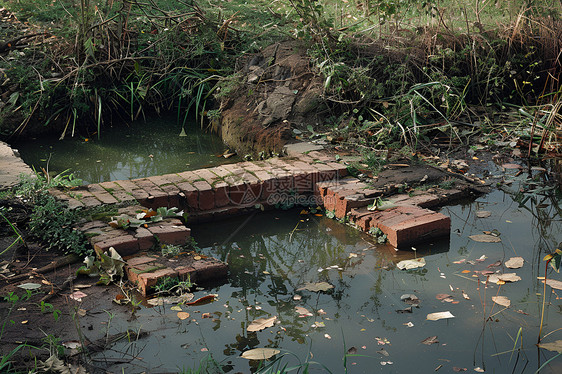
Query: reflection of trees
124, 153
289, 258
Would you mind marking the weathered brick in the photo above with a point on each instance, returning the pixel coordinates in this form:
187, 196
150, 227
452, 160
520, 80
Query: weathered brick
205, 271
146, 281
145, 238
176, 235
206, 195
190, 195
221, 194
125, 245
411, 225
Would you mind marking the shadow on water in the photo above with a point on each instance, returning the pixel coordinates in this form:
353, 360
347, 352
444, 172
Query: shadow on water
143, 149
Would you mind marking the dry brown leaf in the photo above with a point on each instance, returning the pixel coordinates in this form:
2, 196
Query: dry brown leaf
430, 340
484, 238
316, 287
514, 262
554, 284
501, 300
507, 277
303, 311
439, 315
553, 346
261, 323
183, 315
260, 353
483, 214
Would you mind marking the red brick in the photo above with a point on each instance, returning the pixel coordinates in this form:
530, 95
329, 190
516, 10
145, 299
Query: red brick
405, 226
189, 176
105, 197
173, 194
221, 194
185, 273
145, 238
205, 271
176, 235
351, 200
125, 245
206, 195
139, 260
190, 195
146, 281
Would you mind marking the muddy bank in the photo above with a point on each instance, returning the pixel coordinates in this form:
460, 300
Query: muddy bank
277, 91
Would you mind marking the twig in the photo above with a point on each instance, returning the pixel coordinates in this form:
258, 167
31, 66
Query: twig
66, 260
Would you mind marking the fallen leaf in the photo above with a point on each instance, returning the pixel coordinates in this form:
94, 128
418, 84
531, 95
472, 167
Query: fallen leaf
439, 315
203, 300
206, 315
478, 369
464, 294
507, 277
303, 311
405, 310
183, 315
484, 238
410, 299
24, 322
327, 336
495, 264
72, 344
30, 286
442, 296
176, 308
261, 323
411, 264
81, 312
501, 300
553, 346
383, 352
316, 287
514, 262
512, 166
554, 284
409, 324
260, 353
352, 351
430, 340
465, 271
483, 214
382, 341
458, 369
77, 295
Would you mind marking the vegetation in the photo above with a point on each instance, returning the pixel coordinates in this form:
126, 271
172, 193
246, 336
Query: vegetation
395, 72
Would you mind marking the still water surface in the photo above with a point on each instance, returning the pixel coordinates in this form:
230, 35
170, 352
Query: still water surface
141, 150
271, 256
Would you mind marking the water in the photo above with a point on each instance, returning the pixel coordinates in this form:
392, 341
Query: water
271, 256
143, 149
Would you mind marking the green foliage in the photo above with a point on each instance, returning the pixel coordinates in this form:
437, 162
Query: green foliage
173, 285
53, 223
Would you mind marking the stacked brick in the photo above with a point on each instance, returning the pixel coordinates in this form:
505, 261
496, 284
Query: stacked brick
214, 192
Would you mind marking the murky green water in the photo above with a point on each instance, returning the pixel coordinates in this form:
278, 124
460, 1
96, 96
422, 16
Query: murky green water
141, 150
271, 256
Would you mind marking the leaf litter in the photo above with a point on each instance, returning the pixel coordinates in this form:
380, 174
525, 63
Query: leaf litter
260, 353
515, 262
501, 300
316, 287
261, 323
411, 264
439, 315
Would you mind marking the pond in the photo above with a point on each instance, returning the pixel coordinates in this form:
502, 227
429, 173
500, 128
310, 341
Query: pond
273, 255
143, 149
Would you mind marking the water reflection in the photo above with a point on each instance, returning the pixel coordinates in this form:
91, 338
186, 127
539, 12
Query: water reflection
141, 150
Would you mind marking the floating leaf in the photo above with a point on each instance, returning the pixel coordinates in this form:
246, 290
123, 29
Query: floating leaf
478, 369
203, 300
514, 262
30, 286
176, 308
383, 352
485, 238
316, 287
458, 369
483, 214
410, 299
442, 296
260, 353
411, 264
261, 323
465, 295
303, 311
327, 336
297, 297
553, 346
439, 315
352, 351
183, 315
554, 284
507, 277
430, 340
501, 300
495, 264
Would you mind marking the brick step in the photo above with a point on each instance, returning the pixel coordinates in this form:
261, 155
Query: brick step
147, 270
